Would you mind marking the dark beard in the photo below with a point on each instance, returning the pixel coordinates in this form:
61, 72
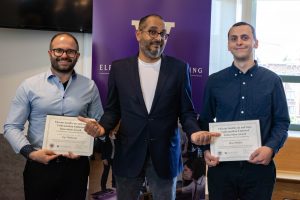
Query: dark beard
56, 67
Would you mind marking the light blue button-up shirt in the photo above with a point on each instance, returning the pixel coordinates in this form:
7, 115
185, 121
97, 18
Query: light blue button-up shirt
43, 95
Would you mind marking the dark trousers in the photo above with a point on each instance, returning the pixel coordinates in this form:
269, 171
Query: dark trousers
241, 181
104, 176
61, 179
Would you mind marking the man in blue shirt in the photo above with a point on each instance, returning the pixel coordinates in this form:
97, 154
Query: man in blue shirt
245, 91
59, 91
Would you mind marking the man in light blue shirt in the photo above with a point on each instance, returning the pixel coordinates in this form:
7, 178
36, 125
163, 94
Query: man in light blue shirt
59, 91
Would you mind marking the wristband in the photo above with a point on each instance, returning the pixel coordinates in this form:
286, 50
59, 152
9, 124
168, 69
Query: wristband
26, 150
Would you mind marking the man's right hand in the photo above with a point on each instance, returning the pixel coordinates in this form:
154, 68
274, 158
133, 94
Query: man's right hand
43, 156
203, 137
92, 127
210, 160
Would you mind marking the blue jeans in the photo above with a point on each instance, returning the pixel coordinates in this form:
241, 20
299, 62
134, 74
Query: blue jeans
161, 189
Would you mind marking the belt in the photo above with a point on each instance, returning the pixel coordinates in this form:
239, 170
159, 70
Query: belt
59, 159
62, 159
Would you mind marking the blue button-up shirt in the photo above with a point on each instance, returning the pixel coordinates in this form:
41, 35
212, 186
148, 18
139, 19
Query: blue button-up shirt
43, 95
231, 95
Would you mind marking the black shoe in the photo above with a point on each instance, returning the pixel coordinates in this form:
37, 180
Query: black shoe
97, 193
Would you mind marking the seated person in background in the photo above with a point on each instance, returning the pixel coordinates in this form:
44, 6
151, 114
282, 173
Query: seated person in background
195, 171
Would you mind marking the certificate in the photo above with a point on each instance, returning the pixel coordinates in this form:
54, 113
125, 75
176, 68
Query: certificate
238, 140
66, 134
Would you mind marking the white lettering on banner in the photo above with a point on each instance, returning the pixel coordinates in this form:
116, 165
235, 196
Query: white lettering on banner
169, 25
104, 68
196, 71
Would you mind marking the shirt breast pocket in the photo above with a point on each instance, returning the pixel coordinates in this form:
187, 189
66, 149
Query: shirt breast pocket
261, 104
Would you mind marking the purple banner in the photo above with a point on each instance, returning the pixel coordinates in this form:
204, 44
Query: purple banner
114, 36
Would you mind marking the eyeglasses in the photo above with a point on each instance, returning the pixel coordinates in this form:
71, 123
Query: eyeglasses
59, 52
154, 34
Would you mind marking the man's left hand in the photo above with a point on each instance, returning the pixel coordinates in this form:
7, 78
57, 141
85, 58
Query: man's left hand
262, 155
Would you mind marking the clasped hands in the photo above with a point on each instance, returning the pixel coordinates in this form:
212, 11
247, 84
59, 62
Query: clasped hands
45, 156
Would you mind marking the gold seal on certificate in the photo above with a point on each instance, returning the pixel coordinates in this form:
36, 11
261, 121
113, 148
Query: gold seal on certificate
238, 140
66, 134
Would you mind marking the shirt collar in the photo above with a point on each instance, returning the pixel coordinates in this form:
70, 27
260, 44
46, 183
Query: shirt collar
251, 72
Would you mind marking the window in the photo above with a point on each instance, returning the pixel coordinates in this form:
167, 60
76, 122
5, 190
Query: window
278, 32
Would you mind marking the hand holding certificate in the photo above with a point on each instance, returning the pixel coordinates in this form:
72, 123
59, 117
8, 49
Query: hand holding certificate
237, 141
66, 134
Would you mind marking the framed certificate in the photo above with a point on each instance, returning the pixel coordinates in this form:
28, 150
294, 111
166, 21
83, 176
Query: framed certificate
238, 140
66, 134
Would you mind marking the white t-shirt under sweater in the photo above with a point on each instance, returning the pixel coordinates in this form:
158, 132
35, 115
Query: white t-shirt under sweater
148, 79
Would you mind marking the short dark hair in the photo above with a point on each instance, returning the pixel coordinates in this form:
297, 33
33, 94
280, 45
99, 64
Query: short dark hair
64, 33
188, 163
143, 20
198, 167
244, 24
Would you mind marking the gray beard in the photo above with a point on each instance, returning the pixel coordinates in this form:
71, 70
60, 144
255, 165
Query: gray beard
153, 54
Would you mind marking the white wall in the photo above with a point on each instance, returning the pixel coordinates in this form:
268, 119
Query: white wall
23, 53
224, 14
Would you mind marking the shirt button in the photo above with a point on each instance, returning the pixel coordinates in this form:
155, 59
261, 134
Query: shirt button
235, 74
251, 75
242, 112
243, 97
244, 83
